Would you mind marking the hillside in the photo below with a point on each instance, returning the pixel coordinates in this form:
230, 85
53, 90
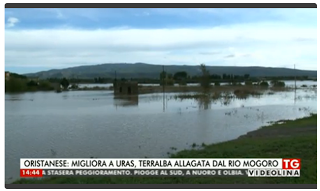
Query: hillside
141, 70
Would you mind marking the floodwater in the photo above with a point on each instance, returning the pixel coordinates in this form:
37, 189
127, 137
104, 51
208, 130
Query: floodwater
108, 85
83, 124
289, 83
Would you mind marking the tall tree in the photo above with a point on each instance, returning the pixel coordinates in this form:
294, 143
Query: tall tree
65, 83
205, 77
180, 75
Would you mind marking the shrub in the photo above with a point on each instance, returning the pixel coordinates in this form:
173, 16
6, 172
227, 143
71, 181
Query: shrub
45, 85
281, 84
15, 85
264, 84
276, 83
217, 83
32, 83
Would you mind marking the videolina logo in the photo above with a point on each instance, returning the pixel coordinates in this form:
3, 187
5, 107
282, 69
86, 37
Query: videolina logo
291, 164
290, 168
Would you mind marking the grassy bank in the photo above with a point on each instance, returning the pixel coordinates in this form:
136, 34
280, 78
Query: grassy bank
292, 139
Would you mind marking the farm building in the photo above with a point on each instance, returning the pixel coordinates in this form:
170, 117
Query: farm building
125, 87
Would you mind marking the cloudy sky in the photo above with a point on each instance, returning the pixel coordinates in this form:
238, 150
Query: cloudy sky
43, 39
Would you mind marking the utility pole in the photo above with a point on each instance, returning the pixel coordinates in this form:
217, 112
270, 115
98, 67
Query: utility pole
115, 80
295, 78
295, 84
163, 88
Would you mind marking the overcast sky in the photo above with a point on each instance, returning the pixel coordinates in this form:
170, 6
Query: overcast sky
43, 39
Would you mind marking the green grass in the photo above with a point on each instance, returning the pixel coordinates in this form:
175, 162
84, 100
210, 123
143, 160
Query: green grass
294, 146
303, 122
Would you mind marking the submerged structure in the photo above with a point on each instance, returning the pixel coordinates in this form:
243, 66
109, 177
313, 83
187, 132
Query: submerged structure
125, 88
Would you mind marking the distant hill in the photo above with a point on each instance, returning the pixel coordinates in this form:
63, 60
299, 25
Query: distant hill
142, 70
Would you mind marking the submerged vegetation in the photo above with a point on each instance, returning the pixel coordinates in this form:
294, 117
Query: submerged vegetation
92, 88
277, 83
228, 94
243, 94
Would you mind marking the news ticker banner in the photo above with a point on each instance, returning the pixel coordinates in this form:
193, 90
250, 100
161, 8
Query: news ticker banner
160, 167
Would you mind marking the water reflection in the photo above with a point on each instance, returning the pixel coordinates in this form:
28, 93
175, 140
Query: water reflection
14, 97
295, 96
65, 95
126, 100
204, 103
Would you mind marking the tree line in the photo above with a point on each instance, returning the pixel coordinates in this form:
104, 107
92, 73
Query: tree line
19, 83
180, 77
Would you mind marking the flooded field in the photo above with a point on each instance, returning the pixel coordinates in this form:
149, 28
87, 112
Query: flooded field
288, 84
96, 124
